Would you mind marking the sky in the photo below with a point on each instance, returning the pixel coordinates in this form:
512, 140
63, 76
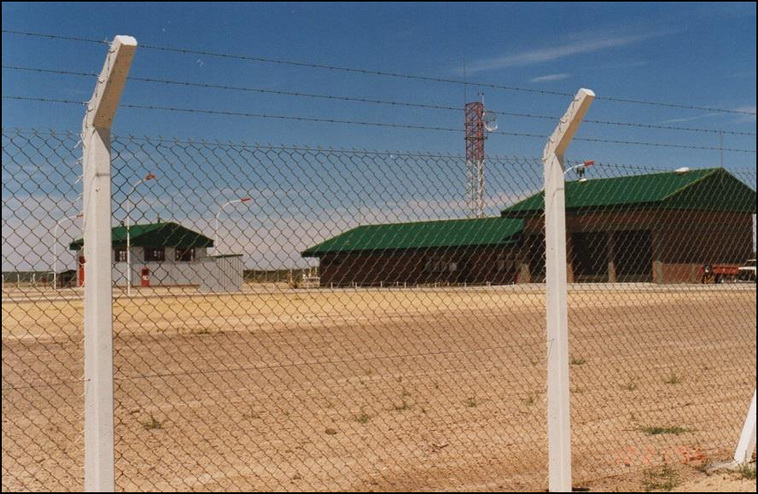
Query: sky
688, 54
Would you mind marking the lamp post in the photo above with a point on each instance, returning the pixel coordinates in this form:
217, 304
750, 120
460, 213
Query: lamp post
147, 177
55, 246
580, 169
215, 228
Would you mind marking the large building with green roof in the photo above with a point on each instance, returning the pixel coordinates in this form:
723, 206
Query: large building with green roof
477, 250
660, 227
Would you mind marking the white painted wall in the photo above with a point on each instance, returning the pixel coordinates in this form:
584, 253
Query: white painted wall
209, 273
225, 275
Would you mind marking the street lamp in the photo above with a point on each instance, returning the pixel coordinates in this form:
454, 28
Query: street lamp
215, 228
147, 177
580, 169
55, 246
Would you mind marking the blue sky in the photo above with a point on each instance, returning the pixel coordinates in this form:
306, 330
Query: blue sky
693, 54
701, 55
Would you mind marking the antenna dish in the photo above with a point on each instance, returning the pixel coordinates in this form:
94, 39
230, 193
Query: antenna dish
490, 121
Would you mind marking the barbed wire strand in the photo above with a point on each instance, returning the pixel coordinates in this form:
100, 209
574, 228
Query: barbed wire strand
385, 73
373, 101
375, 124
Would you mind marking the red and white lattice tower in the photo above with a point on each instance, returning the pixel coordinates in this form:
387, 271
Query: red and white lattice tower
474, 130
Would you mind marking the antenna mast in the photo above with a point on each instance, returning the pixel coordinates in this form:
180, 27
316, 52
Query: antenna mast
474, 132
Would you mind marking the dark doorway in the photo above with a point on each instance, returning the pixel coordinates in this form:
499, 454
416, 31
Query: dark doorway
590, 256
536, 258
633, 255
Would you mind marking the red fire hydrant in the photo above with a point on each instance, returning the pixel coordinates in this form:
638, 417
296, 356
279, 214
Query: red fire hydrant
145, 277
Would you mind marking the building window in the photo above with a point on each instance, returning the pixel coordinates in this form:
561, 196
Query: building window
155, 254
119, 255
185, 255
435, 265
505, 263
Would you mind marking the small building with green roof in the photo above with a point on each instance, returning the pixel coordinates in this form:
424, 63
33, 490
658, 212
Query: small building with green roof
167, 254
659, 227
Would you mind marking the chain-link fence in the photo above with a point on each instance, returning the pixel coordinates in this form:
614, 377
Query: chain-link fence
293, 318
661, 317
373, 379
42, 386
288, 318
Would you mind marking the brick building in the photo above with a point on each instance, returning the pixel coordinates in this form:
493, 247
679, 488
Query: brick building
660, 227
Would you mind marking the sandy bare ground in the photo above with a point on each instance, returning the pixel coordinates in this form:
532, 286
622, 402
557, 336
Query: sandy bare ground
427, 389
718, 483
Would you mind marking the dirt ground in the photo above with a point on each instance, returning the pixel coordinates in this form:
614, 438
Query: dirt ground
718, 483
380, 389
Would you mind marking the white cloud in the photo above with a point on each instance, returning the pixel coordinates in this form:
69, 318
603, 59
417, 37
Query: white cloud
584, 43
690, 119
746, 118
743, 118
623, 65
550, 78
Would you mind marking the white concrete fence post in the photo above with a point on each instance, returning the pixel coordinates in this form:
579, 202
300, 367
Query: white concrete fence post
746, 445
558, 404
98, 288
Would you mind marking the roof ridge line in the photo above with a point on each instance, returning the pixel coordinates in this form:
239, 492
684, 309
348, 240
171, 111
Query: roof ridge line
679, 190
441, 220
710, 170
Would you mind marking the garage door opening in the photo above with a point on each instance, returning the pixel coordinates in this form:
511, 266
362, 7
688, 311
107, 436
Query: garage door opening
633, 256
590, 256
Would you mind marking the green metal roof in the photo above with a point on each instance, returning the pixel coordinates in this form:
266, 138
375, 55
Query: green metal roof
422, 235
168, 234
712, 189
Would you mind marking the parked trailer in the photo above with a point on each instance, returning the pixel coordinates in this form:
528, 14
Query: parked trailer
727, 273
747, 272
718, 273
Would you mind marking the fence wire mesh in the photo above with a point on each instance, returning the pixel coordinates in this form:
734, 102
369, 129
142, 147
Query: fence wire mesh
42, 372
290, 318
662, 317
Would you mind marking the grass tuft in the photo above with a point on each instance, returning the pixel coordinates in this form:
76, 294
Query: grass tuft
747, 471
663, 478
152, 424
673, 378
658, 430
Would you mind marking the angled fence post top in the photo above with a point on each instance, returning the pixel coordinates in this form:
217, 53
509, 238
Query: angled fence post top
110, 84
569, 124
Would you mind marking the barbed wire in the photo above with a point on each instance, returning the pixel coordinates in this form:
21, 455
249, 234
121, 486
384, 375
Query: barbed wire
44, 100
373, 101
662, 145
492, 159
56, 36
377, 124
383, 73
